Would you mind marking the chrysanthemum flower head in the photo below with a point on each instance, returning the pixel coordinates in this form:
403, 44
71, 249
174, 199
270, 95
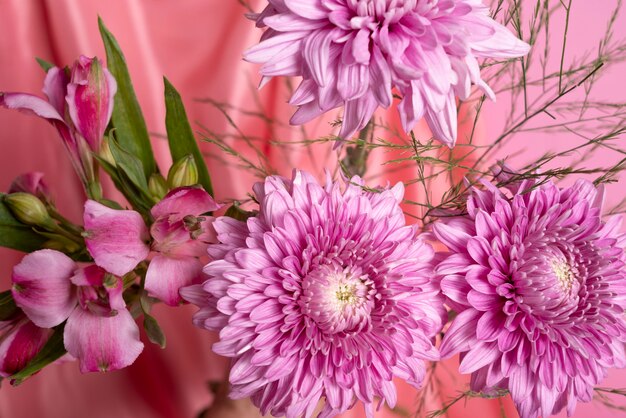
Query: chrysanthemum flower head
538, 281
325, 295
353, 53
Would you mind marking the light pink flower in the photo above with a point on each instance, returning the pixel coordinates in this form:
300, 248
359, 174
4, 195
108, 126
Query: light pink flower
20, 341
354, 53
181, 232
79, 107
325, 294
116, 239
50, 288
538, 282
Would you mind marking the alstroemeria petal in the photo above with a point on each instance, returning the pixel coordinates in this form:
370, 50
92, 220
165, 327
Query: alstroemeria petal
32, 183
166, 275
42, 287
29, 103
102, 343
116, 239
55, 88
185, 201
90, 99
94, 276
20, 345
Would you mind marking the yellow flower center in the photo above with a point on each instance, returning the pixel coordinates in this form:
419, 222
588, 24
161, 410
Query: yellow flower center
564, 275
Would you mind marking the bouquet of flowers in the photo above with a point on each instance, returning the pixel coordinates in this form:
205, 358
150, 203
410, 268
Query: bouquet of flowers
326, 293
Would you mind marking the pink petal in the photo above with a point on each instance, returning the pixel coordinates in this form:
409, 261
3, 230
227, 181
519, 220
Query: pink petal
116, 239
443, 124
380, 76
357, 114
185, 201
309, 9
90, 99
317, 55
503, 44
352, 81
102, 343
480, 355
20, 345
265, 50
93, 276
42, 287
461, 334
32, 183
30, 104
55, 88
166, 275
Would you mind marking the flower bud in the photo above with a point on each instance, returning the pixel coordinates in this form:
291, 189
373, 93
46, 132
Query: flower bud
105, 152
183, 173
29, 210
157, 186
90, 99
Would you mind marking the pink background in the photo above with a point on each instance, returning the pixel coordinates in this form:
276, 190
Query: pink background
197, 44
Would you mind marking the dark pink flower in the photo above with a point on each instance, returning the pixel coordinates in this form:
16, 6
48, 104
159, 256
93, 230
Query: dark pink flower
325, 294
20, 341
354, 53
89, 99
50, 288
79, 105
538, 281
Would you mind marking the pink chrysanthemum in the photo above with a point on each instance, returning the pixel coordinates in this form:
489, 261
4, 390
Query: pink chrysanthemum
353, 53
538, 282
325, 294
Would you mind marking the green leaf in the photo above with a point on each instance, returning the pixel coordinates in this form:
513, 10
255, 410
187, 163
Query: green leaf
44, 64
129, 164
8, 308
180, 136
153, 330
16, 235
51, 352
124, 185
127, 118
236, 212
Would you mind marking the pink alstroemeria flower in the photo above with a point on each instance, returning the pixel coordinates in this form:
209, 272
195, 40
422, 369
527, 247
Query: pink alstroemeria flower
181, 235
118, 240
79, 105
32, 183
51, 288
20, 341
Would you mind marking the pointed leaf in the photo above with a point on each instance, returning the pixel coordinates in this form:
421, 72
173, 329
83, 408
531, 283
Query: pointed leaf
124, 185
44, 64
180, 136
127, 117
8, 308
129, 164
153, 330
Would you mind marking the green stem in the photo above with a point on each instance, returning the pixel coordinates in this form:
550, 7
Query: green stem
355, 161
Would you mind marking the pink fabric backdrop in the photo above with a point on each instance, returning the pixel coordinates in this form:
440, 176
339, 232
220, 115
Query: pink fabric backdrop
197, 44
